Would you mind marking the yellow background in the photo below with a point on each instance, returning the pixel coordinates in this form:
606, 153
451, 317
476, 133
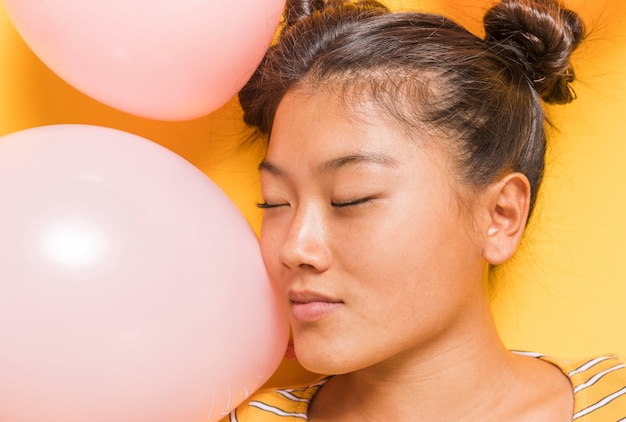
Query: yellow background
563, 294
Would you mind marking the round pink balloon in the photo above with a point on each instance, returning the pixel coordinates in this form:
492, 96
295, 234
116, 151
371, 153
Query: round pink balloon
161, 59
131, 288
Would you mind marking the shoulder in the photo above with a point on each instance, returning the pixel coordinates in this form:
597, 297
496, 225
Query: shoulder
599, 385
284, 405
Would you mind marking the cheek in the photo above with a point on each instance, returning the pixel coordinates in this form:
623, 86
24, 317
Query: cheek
270, 250
405, 243
378, 254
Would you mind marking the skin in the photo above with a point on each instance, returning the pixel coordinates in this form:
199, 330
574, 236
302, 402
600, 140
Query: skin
382, 256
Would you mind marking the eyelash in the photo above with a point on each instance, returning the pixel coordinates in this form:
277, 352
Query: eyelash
267, 205
351, 203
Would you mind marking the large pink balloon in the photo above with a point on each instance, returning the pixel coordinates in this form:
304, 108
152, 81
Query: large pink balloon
131, 288
161, 59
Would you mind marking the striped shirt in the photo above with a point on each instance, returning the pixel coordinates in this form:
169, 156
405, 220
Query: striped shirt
599, 386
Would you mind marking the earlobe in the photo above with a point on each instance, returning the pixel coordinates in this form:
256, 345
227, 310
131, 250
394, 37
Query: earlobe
509, 200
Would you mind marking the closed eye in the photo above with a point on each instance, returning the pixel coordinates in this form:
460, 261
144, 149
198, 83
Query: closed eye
269, 205
351, 203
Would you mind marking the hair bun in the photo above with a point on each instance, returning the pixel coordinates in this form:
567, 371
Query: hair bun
538, 35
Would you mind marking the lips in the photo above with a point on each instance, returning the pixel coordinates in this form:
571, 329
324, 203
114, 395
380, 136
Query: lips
311, 307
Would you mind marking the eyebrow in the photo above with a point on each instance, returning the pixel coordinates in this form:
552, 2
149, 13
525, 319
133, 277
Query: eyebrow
269, 167
368, 158
337, 163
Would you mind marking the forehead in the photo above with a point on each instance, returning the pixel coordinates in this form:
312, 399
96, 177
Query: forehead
317, 124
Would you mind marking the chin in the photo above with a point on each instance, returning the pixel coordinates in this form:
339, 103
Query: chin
322, 360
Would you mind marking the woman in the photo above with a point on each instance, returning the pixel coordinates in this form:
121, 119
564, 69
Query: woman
404, 159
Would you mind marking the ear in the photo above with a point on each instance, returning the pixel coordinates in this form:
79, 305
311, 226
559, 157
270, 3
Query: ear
508, 202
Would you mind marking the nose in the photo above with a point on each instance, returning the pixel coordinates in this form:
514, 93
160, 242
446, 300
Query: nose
306, 244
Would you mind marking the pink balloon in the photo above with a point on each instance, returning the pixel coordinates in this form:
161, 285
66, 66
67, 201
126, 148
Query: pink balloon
161, 59
131, 288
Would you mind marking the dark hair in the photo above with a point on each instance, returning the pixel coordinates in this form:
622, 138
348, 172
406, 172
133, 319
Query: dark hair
431, 75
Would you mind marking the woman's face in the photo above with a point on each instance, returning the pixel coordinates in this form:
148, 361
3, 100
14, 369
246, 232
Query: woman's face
364, 235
